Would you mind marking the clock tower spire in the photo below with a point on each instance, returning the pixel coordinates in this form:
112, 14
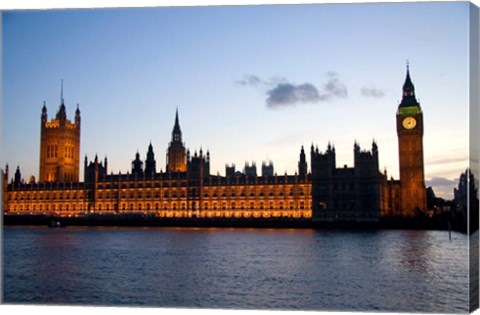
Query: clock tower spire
410, 150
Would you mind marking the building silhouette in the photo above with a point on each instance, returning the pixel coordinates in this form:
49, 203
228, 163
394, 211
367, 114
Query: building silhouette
465, 199
347, 193
187, 189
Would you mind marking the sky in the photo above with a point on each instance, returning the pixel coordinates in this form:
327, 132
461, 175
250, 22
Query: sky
251, 83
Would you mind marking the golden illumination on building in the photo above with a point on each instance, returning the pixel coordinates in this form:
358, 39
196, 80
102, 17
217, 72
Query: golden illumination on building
187, 189
59, 147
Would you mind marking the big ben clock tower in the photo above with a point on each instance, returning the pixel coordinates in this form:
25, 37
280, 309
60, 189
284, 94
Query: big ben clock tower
410, 150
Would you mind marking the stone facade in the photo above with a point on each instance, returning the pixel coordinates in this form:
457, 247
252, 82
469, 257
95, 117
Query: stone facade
59, 147
187, 189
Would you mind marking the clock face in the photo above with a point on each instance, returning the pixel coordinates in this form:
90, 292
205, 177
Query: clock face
409, 123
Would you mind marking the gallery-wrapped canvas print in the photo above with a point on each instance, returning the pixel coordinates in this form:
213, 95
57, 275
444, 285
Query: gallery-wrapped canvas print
313, 157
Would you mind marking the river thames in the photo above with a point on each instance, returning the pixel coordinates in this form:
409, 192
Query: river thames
385, 270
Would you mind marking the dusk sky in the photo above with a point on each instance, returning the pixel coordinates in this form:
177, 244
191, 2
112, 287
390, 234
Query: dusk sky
251, 83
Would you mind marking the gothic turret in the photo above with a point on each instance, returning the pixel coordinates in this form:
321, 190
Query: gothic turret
17, 177
137, 166
302, 165
61, 114
44, 114
77, 116
150, 163
176, 153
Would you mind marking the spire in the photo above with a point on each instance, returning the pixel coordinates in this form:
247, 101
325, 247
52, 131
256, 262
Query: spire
150, 163
77, 116
408, 85
18, 176
150, 154
61, 92
44, 113
302, 164
61, 114
176, 133
176, 118
408, 95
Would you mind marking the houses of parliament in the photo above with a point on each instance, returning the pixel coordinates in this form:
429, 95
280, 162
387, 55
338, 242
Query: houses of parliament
187, 189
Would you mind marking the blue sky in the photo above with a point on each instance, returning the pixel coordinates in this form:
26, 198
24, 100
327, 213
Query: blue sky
129, 69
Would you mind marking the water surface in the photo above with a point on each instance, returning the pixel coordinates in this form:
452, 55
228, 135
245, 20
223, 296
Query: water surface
390, 271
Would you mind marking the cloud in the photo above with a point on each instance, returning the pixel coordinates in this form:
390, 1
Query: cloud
441, 181
288, 94
448, 160
334, 87
372, 92
442, 187
251, 80
280, 92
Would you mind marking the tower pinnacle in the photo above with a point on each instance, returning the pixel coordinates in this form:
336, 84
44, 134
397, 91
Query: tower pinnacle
176, 133
176, 153
61, 92
408, 95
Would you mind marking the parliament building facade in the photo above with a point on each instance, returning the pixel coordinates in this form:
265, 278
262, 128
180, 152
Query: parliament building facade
186, 189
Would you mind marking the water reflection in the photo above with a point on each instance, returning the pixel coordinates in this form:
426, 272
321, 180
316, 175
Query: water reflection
238, 268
